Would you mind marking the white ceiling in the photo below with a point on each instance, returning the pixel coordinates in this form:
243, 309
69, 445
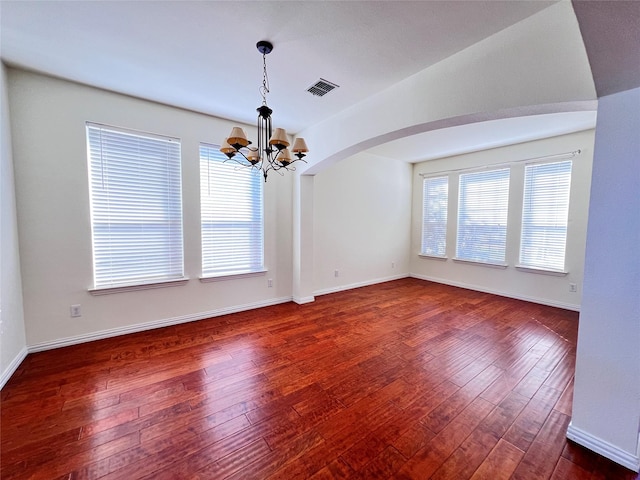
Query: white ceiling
201, 55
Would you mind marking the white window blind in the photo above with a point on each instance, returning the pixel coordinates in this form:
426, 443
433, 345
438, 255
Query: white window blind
482, 216
544, 215
435, 195
231, 216
136, 207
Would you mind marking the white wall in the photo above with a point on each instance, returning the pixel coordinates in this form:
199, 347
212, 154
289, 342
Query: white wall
12, 333
362, 217
303, 291
550, 290
48, 118
606, 402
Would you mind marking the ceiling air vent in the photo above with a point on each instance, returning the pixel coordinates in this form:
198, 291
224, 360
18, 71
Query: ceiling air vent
321, 87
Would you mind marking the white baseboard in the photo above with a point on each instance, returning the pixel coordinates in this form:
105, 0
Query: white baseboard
359, 284
141, 327
604, 448
13, 366
542, 301
303, 300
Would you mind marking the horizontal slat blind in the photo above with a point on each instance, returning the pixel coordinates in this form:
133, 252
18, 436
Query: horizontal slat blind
544, 215
435, 196
482, 216
231, 216
136, 207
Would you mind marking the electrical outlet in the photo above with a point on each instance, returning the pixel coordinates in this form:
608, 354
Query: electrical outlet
270, 282
75, 311
336, 273
573, 287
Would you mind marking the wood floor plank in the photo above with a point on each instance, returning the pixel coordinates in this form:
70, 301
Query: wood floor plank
565, 402
477, 446
500, 463
64, 462
384, 465
530, 421
336, 470
447, 411
548, 445
425, 462
291, 459
566, 470
226, 466
403, 379
413, 440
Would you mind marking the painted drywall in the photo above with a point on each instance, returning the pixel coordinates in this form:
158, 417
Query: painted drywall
12, 332
48, 118
361, 222
538, 64
550, 290
303, 291
606, 402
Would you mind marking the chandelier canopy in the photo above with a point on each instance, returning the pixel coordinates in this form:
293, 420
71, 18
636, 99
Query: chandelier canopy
272, 151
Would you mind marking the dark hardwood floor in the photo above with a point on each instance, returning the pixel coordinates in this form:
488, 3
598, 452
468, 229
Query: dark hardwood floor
406, 379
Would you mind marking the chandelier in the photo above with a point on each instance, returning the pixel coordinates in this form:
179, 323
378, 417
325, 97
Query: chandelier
272, 151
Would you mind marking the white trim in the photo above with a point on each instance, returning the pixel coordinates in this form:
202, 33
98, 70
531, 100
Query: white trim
232, 276
141, 327
434, 257
542, 301
604, 448
526, 161
13, 366
130, 131
542, 271
359, 284
140, 286
303, 300
483, 264
553, 158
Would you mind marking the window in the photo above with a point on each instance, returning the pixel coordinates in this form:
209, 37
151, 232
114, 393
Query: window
482, 216
544, 215
231, 216
434, 216
136, 209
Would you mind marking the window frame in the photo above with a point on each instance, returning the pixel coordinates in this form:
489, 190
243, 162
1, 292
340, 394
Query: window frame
434, 226
150, 201
484, 230
528, 204
254, 258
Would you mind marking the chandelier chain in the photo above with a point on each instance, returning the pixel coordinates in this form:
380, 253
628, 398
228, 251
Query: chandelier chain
264, 89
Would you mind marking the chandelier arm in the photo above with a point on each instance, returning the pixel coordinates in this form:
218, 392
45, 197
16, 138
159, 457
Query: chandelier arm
299, 156
248, 164
234, 159
288, 168
266, 165
279, 166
